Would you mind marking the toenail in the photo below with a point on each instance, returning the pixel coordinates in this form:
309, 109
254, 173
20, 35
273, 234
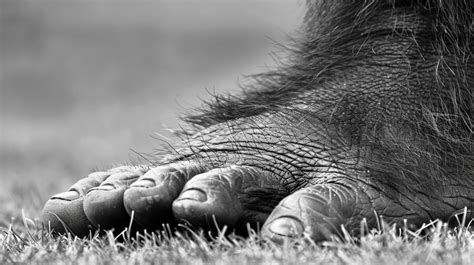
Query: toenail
104, 187
67, 195
145, 183
193, 194
287, 226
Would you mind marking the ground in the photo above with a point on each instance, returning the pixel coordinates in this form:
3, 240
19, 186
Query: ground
67, 108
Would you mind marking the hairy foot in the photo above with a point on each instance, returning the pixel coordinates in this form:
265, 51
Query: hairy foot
262, 177
373, 113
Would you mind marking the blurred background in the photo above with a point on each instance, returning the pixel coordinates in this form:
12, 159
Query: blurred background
83, 83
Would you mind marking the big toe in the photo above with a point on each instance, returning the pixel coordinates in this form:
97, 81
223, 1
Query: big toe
284, 227
311, 212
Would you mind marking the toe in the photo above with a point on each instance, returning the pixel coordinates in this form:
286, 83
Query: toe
211, 197
64, 211
151, 196
103, 205
286, 226
194, 195
311, 211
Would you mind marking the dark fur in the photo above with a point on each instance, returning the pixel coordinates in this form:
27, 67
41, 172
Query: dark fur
372, 111
420, 129
329, 34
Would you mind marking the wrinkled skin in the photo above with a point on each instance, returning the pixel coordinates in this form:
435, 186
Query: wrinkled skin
372, 114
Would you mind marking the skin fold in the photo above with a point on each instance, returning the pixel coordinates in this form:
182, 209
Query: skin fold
371, 116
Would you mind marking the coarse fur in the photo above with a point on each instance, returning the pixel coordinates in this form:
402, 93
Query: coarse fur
328, 40
372, 111
394, 77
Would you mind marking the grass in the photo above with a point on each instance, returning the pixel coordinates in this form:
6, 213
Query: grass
34, 172
77, 91
435, 243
